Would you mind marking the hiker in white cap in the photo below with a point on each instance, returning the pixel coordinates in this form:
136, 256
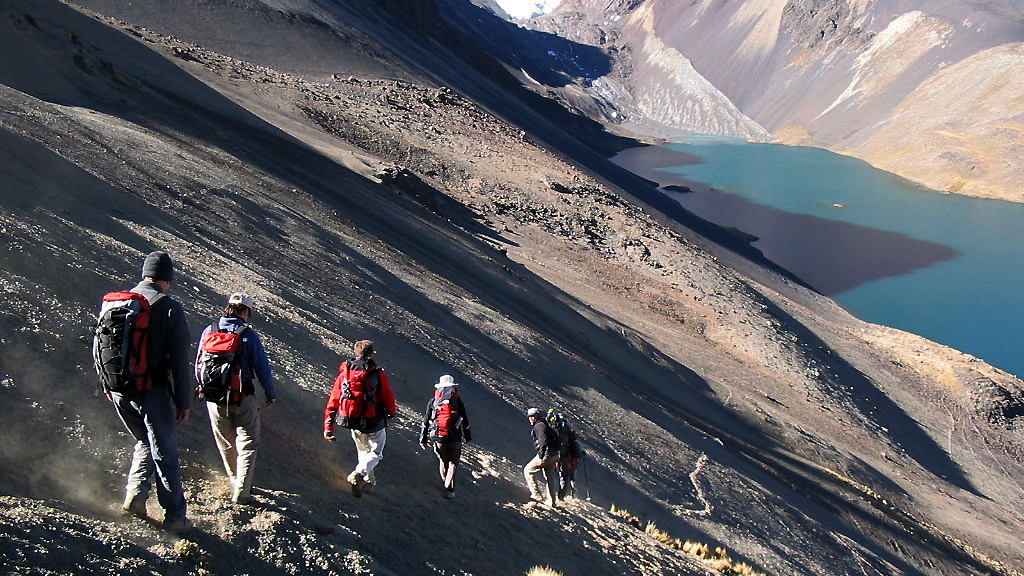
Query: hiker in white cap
230, 355
445, 425
545, 459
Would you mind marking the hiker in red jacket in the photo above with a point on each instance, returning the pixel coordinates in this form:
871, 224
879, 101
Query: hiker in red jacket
361, 401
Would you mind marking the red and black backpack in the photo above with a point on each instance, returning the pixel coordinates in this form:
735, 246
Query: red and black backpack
219, 367
446, 413
120, 346
358, 405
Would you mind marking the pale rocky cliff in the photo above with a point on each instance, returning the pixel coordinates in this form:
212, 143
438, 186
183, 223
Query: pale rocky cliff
929, 90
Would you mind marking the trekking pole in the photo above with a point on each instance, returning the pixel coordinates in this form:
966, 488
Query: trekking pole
586, 479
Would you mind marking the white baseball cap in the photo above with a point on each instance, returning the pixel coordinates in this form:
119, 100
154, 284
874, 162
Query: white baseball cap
241, 298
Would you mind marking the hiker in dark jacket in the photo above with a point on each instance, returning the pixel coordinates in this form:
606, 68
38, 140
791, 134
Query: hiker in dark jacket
369, 434
152, 416
447, 435
236, 424
545, 459
569, 461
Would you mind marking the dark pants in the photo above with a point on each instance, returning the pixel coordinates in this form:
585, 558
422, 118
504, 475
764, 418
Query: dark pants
152, 421
449, 454
567, 477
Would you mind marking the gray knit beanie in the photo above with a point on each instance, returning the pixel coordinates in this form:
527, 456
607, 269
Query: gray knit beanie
158, 266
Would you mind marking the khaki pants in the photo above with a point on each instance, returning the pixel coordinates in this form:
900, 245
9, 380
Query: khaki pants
550, 475
237, 432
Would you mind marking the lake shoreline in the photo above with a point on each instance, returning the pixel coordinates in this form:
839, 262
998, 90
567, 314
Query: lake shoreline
884, 249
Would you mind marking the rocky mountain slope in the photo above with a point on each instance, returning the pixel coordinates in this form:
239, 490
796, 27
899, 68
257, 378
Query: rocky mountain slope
928, 90
310, 155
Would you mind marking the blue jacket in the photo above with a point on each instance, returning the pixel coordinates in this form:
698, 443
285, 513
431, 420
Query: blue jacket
254, 357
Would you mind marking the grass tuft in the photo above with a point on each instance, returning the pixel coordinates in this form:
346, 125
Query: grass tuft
717, 560
543, 571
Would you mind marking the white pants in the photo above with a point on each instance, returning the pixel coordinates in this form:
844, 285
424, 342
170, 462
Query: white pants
370, 447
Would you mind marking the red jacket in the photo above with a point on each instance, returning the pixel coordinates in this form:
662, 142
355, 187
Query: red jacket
384, 401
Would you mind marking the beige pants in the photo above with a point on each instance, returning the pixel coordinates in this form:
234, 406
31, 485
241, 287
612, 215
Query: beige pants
550, 475
237, 432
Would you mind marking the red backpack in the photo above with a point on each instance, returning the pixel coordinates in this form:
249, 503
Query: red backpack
121, 342
220, 366
358, 396
446, 412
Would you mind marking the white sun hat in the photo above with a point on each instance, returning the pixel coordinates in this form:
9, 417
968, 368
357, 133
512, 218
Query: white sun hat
445, 381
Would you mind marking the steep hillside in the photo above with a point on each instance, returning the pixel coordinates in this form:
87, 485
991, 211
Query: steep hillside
924, 89
357, 197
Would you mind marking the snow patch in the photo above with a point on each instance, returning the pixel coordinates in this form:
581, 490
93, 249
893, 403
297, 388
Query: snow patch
524, 9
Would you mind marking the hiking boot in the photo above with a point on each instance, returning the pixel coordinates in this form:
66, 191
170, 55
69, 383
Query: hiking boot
243, 499
178, 526
369, 487
135, 508
356, 480
449, 493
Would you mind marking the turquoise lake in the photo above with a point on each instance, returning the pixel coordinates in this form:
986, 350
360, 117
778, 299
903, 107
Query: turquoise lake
946, 267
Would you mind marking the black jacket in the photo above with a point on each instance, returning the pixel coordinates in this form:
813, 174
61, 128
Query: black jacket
168, 345
543, 439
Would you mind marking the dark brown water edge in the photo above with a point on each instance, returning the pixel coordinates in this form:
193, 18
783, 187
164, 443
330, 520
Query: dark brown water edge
648, 161
831, 256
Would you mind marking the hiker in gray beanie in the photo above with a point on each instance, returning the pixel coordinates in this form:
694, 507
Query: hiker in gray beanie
155, 405
158, 266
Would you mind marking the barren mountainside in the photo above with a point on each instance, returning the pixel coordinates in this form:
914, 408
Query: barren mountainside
365, 170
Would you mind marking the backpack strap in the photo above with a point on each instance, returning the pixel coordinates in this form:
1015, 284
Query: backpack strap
242, 359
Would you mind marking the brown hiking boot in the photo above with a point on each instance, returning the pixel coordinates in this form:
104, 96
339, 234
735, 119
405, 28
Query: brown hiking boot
356, 480
135, 508
179, 526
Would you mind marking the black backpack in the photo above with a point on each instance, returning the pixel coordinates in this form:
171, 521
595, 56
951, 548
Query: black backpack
220, 366
121, 342
559, 430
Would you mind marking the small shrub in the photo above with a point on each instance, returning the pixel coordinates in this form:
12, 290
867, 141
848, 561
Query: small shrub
187, 550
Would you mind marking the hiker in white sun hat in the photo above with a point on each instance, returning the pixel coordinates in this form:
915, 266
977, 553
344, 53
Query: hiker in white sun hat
445, 425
